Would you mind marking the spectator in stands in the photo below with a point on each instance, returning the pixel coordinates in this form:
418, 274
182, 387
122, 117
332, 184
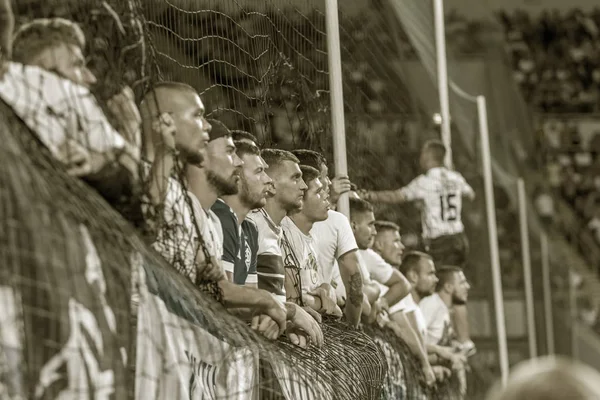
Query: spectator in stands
362, 220
58, 45
288, 192
335, 244
68, 120
388, 242
549, 378
240, 235
304, 281
218, 176
419, 269
395, 284
173, 120
441, 190
395, 288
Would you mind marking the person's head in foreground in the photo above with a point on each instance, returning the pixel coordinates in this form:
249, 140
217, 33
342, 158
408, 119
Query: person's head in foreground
223, 166
453, 284
362, 220
254, 181
315, 205
55, 44
419, 269
432, 155
388, 242
182, 103
288, 187
549, 378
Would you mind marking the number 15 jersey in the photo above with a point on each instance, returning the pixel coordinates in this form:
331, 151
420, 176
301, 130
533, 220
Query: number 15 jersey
441, 191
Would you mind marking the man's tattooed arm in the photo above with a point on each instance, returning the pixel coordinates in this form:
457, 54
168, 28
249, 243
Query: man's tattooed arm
352, 278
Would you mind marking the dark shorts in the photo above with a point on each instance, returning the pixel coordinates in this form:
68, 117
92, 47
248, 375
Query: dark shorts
448, 250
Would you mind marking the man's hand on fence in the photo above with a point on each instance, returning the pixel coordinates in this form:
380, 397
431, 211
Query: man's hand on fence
377, 308
266, 326
328, 300
429, 375
313, 314
302, 326
441, 373
273, 309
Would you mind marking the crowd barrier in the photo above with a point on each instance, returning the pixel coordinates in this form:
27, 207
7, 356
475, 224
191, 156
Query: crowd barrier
88, 310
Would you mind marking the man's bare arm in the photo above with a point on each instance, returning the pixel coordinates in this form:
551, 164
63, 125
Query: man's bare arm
399, 288
353, 282
384, 196
241, 297
402, 328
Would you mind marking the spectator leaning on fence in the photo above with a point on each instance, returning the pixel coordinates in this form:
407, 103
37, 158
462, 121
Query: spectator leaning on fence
288, 192
240, 239
304, 281
441, 191
68, 120
218, 176
419, 269
176, 135
334, 241
58, 45
240, 235
452, 288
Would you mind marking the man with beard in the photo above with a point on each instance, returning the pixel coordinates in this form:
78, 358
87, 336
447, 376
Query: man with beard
304, 280
287, 196
240, 235
219, 177
176, 134
452, 288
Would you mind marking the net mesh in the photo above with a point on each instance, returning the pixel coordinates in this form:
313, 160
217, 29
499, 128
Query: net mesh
92, 309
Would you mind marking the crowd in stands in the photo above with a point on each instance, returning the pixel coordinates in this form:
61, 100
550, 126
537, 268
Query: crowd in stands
555, 58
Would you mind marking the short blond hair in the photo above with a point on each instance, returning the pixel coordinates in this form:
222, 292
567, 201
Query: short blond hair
40, 34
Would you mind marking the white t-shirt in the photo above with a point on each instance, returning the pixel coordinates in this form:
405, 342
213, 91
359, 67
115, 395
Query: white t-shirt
300, 252
210, 228
378, 268
57, 110
269, 268
333, 238
442, 191
437, 319
407, 305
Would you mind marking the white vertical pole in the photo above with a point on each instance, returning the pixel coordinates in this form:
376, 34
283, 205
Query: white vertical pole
493, 236
442, 77
574, 316
527, 279
337, 97
547, 294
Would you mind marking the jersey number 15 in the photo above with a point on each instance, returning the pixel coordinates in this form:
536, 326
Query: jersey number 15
448, 207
